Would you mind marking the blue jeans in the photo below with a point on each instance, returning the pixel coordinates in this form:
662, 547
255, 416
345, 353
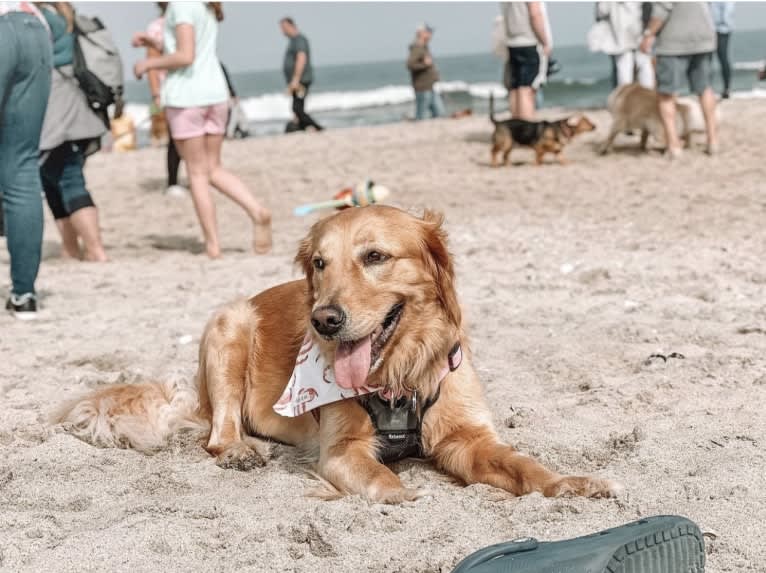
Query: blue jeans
25, 83
428, 101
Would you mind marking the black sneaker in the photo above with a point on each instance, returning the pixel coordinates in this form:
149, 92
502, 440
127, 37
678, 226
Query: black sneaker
23, 307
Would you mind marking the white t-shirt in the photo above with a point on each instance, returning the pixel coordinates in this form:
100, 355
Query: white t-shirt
201, 83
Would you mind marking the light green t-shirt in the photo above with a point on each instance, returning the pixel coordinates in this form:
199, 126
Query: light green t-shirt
201, 83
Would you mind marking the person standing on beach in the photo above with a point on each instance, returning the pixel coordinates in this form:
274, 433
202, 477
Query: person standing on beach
529, 44
627, 25
684, 38
424, 75
723, 18
298, 72
71, 132
195, 99
25, 82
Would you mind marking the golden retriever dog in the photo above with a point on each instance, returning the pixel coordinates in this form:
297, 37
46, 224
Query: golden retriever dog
378, 299
123, 133
634, 108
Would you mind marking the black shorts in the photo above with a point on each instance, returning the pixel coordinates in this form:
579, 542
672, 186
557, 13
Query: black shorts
527, 67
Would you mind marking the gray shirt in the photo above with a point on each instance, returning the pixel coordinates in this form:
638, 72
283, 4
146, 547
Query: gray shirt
297, 44
518, 27
687, 29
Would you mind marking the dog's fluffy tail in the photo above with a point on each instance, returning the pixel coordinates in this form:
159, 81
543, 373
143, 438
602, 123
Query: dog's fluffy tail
139, 416
492, 107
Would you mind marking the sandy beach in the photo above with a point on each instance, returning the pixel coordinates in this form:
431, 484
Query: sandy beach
571, 277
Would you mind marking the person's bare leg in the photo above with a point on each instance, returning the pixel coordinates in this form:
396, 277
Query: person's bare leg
708, 103
526, 103
666, 103
85, 223
70, 246
194, 154
233, 187
513, 102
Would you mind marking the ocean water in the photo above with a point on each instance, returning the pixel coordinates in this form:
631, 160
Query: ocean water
380, 92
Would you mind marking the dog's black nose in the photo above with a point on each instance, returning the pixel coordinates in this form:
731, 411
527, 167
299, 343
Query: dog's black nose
328, 320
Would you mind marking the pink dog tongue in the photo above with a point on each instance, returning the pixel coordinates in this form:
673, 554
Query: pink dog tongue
352, 363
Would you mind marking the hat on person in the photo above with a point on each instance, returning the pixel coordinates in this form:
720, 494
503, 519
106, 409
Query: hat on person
425, 28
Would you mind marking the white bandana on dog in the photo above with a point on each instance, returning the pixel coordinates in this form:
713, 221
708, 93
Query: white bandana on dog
313, 384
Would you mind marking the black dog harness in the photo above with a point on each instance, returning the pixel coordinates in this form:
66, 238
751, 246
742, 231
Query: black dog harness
399, 422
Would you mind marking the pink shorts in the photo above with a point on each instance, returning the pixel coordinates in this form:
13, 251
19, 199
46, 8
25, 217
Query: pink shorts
188, 122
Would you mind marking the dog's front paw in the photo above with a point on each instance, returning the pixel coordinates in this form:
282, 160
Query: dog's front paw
582, 486
241, 456
396, 495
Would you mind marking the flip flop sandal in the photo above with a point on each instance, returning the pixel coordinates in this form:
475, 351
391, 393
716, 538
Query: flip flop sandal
660, 544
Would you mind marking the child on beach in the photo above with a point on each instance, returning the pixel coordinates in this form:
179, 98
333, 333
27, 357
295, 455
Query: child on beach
196, 98
71, 132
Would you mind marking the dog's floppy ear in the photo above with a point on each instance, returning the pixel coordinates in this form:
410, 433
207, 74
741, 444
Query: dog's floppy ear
440, 263
303, 257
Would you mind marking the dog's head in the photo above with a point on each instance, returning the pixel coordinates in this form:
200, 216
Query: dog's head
383, 302
576, 125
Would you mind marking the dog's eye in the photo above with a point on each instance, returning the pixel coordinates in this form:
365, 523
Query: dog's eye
318, 263
374, 257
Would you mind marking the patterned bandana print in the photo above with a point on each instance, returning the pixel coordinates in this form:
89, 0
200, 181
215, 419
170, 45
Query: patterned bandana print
312, 383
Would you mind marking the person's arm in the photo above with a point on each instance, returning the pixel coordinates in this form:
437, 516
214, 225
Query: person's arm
300, 65
417, 60
537, 21
142, 39
660, 13
181, 58
154, 76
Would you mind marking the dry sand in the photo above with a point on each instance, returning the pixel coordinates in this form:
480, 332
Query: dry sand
571, 277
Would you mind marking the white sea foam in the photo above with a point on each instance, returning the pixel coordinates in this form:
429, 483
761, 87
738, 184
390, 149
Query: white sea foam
755, 93
276, 106
756, 65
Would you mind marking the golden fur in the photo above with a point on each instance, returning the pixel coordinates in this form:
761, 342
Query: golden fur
248, 351
634, 108
158, 130
123, 133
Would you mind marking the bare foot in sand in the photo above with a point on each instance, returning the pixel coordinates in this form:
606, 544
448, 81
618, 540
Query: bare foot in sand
69, 255
213, 250
98, 256
262, 232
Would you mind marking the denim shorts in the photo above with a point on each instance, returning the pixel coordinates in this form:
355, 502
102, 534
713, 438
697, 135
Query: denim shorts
64, 180
696, 68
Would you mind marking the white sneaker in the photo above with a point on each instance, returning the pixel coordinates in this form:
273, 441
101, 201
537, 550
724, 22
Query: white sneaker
177, 191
